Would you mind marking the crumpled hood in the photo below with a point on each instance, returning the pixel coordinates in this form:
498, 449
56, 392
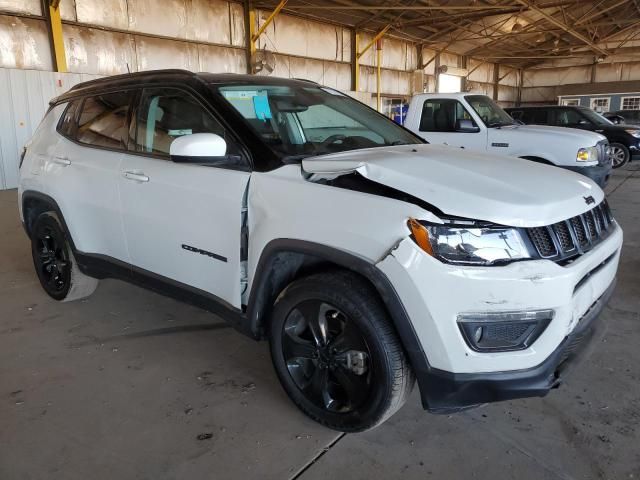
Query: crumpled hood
495, 188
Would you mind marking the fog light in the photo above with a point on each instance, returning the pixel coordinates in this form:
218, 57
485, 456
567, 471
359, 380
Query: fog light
503, 331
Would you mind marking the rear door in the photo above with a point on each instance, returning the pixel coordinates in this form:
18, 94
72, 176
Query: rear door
182, 221
438, 124
85, 169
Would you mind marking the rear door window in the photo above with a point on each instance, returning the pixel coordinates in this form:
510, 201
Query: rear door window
535, 117
567, 117
103, 120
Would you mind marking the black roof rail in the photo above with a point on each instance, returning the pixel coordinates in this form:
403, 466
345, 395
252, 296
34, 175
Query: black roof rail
305, 80
144, 73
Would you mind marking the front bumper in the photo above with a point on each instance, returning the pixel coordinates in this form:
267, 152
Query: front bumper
453, 376
634, 150
450, 392
598, 173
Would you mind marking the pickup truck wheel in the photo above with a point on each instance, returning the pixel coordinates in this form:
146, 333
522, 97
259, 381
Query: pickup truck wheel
337, 354
619, 155
54, 262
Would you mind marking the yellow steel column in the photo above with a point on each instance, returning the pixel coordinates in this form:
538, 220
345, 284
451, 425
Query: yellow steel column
379, 72
252, 31
57, 41
356, 63
359, 54
253, 34
269, 19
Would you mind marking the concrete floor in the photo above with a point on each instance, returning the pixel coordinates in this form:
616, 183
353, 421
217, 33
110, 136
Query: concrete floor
129, 384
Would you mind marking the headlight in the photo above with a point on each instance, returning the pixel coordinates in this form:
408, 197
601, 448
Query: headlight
634, 132
470, 245
589, 154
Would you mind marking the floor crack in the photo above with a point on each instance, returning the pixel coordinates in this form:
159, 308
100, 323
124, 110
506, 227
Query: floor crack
319, 455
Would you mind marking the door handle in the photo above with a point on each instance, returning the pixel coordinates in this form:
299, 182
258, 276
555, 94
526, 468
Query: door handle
64, 161
136, 176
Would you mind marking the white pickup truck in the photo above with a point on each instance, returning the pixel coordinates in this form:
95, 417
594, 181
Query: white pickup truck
477, 122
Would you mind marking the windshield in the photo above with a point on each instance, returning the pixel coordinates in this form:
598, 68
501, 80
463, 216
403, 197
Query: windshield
300, 121
595, 117
489, 111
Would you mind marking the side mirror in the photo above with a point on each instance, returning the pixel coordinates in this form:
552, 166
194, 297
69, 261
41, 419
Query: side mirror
466, 126
198, 148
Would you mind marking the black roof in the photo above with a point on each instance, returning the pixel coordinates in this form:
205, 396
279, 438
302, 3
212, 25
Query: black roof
154, 76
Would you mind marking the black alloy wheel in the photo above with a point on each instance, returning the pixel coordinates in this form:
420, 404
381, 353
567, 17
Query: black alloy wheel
327, 356
51, 258
336, 352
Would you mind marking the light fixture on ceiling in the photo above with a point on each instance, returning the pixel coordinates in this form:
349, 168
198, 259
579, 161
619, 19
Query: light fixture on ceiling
517, 27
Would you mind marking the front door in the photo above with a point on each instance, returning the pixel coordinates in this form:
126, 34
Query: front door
182, 222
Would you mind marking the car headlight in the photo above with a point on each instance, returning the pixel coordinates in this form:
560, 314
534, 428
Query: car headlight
473, 244
589, 154
634, 132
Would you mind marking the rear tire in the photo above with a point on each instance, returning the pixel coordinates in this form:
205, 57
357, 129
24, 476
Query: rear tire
54, 262
336, 352
619, 155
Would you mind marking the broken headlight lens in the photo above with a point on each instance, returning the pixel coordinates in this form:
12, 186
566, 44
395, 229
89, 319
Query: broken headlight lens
471, 245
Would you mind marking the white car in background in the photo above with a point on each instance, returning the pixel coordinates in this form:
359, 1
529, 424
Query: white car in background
367, 258
476, 122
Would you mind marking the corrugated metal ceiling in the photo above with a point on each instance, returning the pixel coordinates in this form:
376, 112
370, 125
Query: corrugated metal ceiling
522, 32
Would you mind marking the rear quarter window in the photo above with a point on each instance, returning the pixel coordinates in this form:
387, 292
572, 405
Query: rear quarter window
103, 120
67, 123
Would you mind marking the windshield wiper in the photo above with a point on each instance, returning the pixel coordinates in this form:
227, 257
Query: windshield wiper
288, 159
501, 124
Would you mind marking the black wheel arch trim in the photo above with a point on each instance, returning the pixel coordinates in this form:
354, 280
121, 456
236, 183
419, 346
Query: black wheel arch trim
46, 199
262, 295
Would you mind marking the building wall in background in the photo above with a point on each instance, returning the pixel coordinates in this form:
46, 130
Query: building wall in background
615, 100
107, 37
24, 96
544, 85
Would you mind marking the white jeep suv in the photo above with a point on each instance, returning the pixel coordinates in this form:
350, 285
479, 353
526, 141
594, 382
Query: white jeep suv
367, 258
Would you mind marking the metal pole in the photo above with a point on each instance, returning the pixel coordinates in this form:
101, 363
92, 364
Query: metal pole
51, 11
379, 75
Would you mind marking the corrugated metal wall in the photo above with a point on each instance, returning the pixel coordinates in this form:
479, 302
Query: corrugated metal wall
24, 96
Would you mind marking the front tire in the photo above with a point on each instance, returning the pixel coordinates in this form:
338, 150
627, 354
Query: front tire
54, 262
619, 155
336, 352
